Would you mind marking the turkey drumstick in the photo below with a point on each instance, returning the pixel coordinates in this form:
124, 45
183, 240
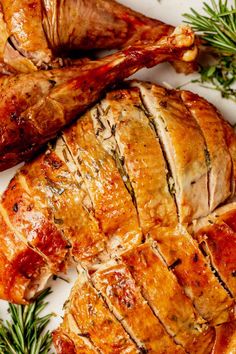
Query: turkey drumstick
35, 32
35, 106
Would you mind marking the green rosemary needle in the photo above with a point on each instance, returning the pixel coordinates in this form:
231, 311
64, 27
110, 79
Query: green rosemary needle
25, 333
217, 28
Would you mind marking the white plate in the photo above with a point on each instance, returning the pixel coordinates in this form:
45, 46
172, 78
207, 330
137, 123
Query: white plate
169, 11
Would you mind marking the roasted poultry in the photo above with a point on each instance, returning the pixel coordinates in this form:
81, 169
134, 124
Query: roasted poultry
35, 32
130, 197
34, 107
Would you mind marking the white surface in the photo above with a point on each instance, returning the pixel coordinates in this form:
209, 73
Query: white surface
169, 11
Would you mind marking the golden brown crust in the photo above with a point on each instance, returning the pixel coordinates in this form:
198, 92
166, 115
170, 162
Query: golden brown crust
141, 153
124, 298
112, 203
168, 300
218, 237
58, 191
21, 268
95, 321
32, 225
225, 339
24, 24
62, 343
193, 272
67, 339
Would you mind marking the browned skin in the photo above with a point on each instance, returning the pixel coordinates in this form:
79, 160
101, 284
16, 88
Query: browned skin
219, 238
33, 226
124, 297
62, 343
225, 339
192, 270
68, 338
169, 301
49, 202
41, 30
36, 106
19, 266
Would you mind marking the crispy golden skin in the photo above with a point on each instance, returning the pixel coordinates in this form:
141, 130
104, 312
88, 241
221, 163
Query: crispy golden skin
35, 106
193, 272
42, 30
125, 300
32, 224
22, 270
62, 195
112, 203
101, 190
217, 235
95, 321
67, 339
220, 166
168, 300
139, 148
225, 339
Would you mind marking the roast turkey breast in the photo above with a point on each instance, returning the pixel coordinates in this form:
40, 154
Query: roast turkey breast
156, 268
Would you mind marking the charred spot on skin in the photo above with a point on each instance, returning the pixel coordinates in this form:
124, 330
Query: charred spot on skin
56, 164
234, 273
15, 208
58, 221
13, 116
85, 335
64, 152
174, 318
52, 82
143, 350
29, 207
208, 159
163, 104
195, 258
175, 264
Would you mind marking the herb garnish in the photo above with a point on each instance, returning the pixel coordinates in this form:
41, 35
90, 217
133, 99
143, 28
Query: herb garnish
217, 28
25, 333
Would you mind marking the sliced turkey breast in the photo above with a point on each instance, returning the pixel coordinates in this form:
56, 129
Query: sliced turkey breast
68, 338
219, 159
167, 299
125, 130
193, 272
230, 138
111, 201
56, 187
184, 148
23, 272
94, 319
125, 300
20, 211
217, 235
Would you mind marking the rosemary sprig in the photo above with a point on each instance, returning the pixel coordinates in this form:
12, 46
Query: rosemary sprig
25, 333
217, 28
221, 76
